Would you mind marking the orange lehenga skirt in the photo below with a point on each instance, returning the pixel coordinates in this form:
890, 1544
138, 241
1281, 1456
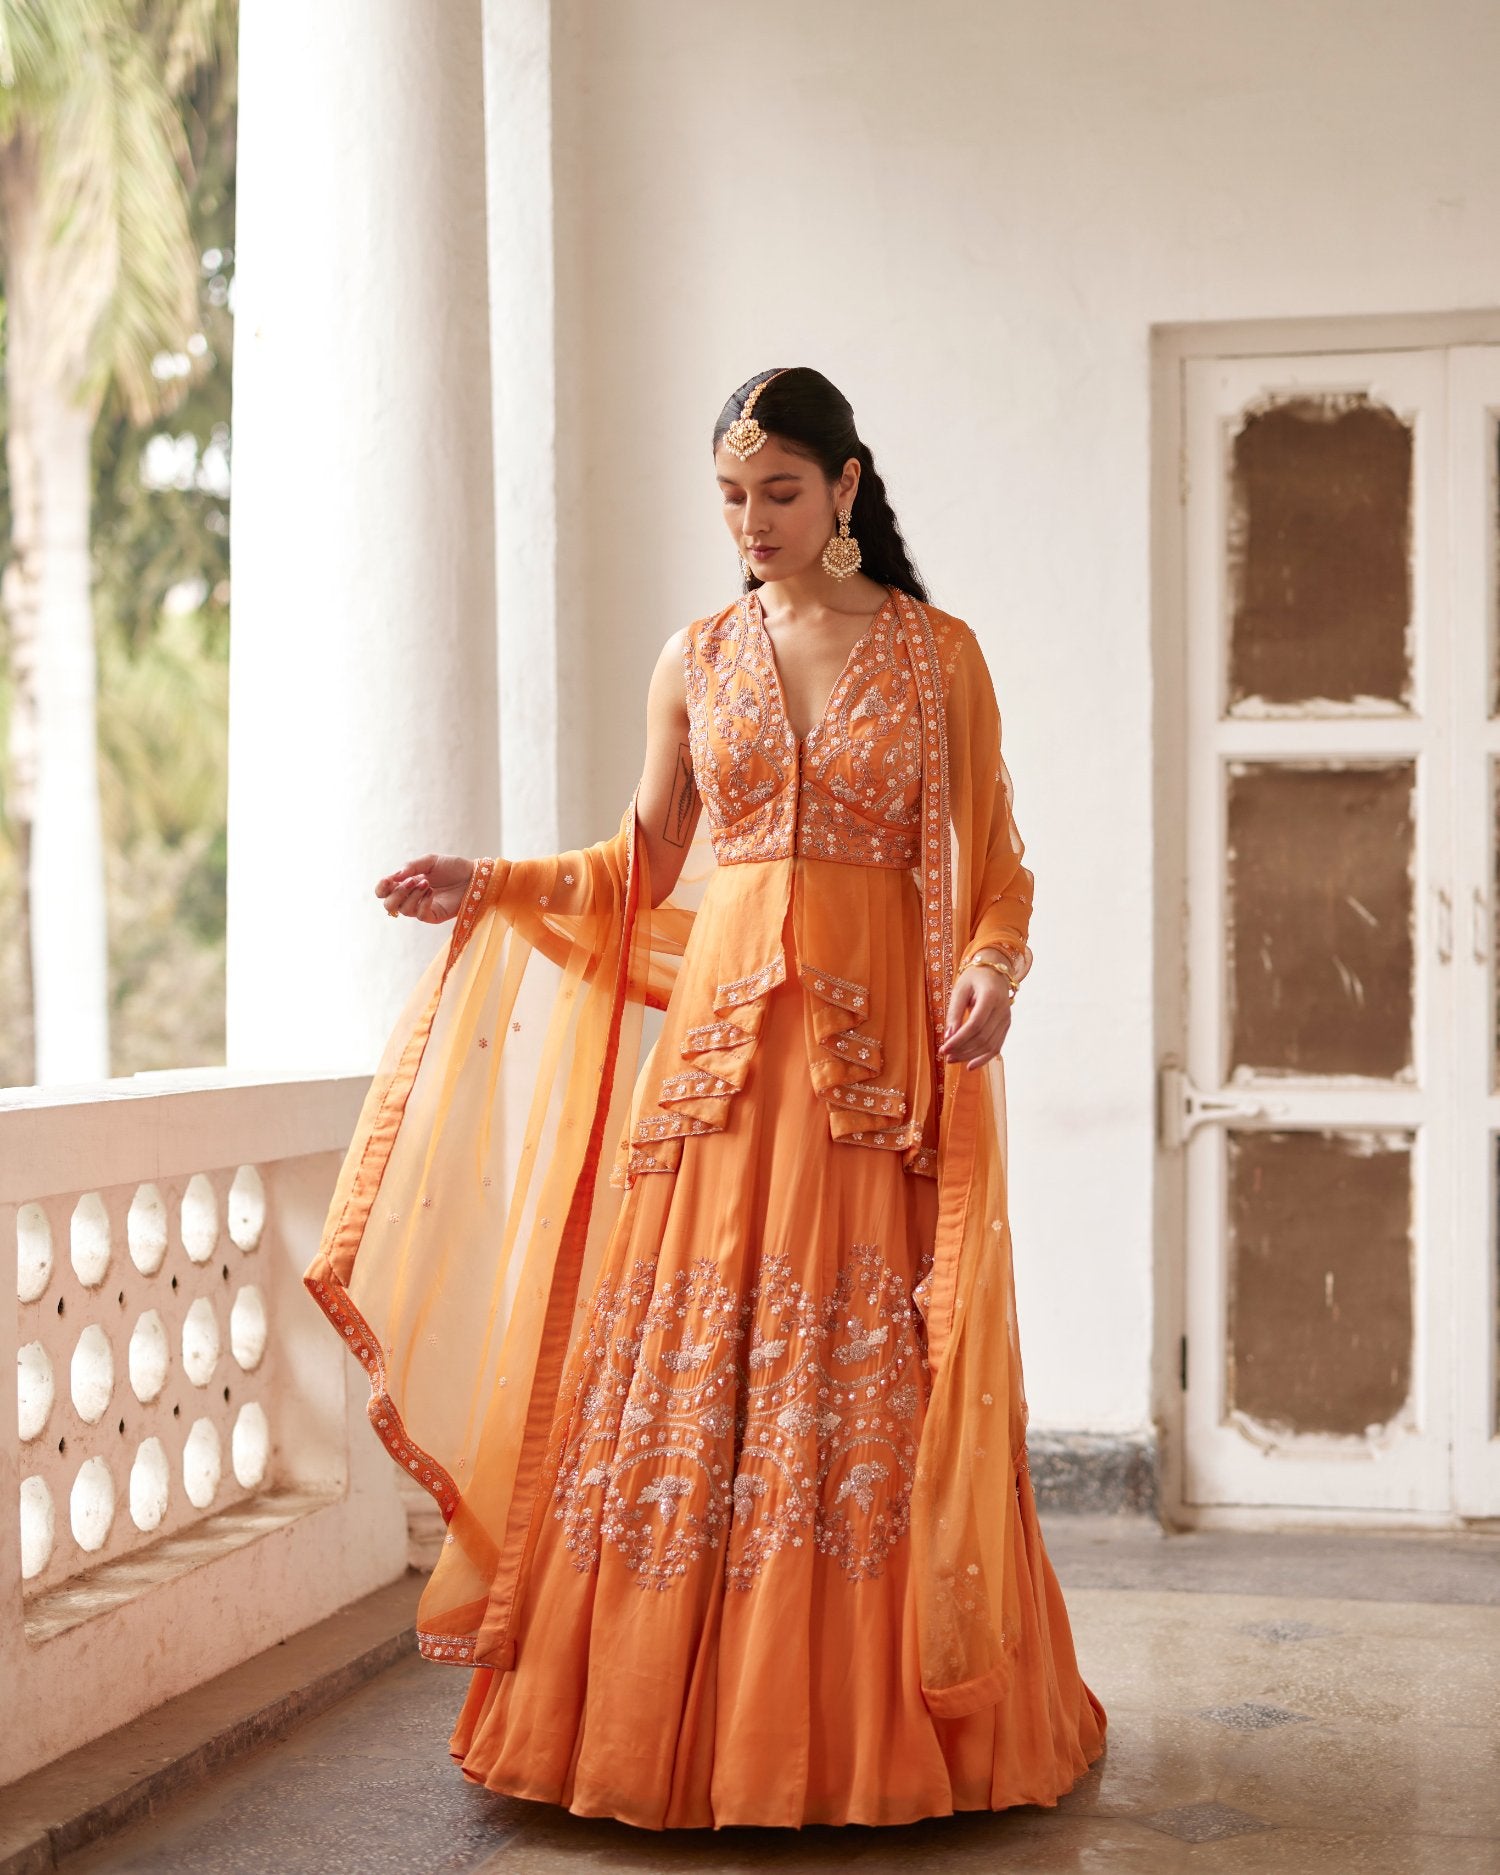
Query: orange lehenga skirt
682, 1665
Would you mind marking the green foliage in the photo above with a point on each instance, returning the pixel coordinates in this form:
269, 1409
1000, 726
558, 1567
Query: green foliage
82, 67
149, 535
163, 775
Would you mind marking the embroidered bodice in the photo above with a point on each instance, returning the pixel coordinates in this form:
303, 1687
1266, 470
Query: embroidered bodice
850, 790
838, 823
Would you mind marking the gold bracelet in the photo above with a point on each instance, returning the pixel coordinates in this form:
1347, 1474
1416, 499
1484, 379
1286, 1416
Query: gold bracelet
989, 963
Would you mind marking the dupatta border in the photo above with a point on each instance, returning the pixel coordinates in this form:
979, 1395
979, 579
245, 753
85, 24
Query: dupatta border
957, 1145
331, 1293
937, 862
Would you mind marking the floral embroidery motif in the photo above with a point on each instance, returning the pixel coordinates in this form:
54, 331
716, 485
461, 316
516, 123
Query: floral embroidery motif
715, 1429
665, 1491
851, 790
714, 1035
747, 1488
693, 1084
456, 1649
862, 1346
474, 899
639, 1159
743, 756
683, 1358
861, 1482
839, 989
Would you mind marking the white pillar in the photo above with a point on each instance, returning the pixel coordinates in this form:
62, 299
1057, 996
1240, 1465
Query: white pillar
543, 786
363, 715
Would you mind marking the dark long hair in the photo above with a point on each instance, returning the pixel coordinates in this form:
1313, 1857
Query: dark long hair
802, 409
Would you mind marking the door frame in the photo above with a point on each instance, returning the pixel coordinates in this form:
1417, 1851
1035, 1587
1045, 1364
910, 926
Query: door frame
1475, 378
1172, 345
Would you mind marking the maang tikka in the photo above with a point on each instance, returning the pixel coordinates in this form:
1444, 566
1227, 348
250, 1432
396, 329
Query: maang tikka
744, 436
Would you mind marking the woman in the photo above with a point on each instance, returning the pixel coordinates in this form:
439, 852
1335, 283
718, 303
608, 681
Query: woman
729, 1431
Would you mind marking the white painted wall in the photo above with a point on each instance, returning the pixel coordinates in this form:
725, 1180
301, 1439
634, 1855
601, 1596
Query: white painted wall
971, 215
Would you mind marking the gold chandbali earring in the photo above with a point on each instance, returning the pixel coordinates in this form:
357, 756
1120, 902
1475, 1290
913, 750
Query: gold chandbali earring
841, 555
746, 568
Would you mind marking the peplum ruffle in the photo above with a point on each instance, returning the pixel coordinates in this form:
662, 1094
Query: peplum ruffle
867, 1032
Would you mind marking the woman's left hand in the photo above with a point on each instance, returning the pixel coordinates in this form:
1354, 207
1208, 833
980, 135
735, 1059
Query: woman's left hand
978, 1017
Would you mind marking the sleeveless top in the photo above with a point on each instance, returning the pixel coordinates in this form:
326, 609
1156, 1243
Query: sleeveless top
850, 791
827, 828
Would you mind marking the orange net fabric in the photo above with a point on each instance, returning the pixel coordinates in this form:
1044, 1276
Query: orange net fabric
971, 1496
511, 1108
475, 1199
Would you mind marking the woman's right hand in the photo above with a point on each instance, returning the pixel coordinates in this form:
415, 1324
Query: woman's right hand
430, 888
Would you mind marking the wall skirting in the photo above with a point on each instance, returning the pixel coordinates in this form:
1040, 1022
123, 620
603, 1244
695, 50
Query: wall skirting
1091, 1471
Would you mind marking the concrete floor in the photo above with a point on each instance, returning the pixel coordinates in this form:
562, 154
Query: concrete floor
1307, 1703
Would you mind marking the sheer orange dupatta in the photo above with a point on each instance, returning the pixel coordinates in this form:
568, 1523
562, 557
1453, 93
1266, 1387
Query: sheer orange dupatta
476, 1197
967, 1532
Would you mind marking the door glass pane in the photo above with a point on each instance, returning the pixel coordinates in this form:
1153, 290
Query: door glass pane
1319, 918
1320, 1280
1319, 557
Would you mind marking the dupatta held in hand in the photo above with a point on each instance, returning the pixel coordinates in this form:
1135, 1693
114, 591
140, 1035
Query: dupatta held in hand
476, 1198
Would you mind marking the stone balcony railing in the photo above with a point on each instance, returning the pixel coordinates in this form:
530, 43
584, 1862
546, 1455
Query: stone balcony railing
193, 1476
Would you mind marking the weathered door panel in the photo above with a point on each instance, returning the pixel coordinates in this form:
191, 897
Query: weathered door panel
1314, 1108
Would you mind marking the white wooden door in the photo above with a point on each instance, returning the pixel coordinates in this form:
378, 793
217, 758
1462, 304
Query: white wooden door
1329, 1105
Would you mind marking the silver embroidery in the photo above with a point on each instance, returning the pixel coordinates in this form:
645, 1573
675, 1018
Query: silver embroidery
665, 1492
746, 1489
681, 1359
861, 1482
741, 1433
855, 792
862, 1347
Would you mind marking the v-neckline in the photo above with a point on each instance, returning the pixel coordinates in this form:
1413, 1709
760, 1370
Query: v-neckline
758, 614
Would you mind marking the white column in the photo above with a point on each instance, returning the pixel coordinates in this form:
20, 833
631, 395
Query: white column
363, 715
540, 787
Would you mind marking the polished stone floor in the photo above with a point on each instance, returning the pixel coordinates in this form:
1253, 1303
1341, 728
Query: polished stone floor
1305, 1703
